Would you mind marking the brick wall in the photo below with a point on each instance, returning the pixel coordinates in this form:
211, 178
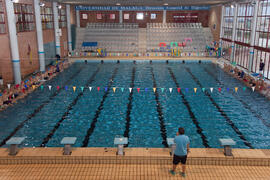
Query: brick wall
214, 21
27, 42
64, 42
92, 17
72, 14
202, 16
6, 70
147, 17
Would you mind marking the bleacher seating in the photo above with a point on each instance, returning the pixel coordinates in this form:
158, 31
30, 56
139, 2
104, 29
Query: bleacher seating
113, 37
124, 38
176, 32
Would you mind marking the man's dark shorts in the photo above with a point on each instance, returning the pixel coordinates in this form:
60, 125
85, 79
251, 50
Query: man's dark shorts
177, 159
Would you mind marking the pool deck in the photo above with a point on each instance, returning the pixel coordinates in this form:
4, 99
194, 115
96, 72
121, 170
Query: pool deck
129, 172
72, 59
137, 163
197, 156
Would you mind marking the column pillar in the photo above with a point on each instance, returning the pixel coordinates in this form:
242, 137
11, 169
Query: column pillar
252, 36
56, 28
78, 18
39, 36
234, 32
221, 28
164, 16
13, 41
69, 28
120, 16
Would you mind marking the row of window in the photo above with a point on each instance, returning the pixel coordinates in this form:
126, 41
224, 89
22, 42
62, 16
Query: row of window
245, 14
2, 18
46, 17
24, 15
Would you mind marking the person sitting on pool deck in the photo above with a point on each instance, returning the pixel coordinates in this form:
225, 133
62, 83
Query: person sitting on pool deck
180, 154
241, 74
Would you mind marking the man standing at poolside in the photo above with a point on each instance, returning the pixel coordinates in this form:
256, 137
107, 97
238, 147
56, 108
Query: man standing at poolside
180, 154
261, 68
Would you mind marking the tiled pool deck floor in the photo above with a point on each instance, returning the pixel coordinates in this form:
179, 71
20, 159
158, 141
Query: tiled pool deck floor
128, 172
138, 163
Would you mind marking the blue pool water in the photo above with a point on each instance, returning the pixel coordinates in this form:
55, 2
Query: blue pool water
146, 117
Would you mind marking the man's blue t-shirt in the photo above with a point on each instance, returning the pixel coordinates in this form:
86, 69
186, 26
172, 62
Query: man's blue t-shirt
181, 145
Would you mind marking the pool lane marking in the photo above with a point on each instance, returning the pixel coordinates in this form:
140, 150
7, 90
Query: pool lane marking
191, 114
228, 120
70, 106
160, 113
240, 100
98, 111
129, 106
38, 109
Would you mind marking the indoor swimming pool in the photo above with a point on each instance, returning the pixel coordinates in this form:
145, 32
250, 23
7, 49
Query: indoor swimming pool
94, 103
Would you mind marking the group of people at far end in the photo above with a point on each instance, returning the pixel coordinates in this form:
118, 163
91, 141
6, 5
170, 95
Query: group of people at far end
255, 80
13, 93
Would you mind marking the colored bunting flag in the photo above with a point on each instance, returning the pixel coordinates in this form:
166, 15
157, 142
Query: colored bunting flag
138, 89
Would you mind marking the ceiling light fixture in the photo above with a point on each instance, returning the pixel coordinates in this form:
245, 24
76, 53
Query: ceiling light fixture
253, 3
41, 4
59, 6
118, 4
165, 4
232, 6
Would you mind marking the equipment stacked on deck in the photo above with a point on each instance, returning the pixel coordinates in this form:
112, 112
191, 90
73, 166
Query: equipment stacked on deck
192, 35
